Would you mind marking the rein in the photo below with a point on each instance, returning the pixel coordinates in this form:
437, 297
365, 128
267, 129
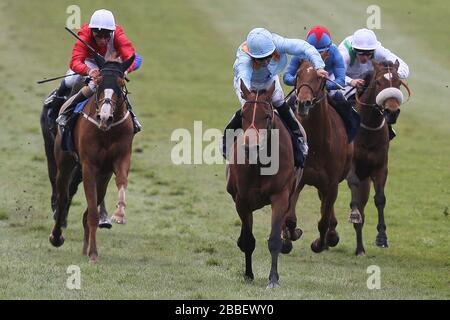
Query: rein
255, 102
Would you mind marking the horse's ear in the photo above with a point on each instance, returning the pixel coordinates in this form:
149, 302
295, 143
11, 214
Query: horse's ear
396, 64
271, 90
244, 90
127, 64
99, 60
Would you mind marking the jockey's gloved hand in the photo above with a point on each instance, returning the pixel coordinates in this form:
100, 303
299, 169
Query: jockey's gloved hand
322, 73
94, 74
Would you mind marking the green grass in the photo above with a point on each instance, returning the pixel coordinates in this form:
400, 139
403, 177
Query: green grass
180, 240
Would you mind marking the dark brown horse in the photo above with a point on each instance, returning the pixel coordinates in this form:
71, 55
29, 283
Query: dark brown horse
382, 98
329, 156
103, 139
252, 190
49, 130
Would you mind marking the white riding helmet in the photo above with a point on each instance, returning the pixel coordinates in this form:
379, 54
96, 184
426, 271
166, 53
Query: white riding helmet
364, 39
260, 43
102, 19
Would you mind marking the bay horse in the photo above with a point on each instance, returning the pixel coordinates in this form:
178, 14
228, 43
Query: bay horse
329, 156
103, 138
49, 130
378, 105
252, 190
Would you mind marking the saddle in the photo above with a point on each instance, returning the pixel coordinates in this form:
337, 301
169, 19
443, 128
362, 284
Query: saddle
67, 144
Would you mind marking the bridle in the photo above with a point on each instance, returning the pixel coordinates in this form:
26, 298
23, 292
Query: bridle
255, 103
316, 100
114, 103
379, 108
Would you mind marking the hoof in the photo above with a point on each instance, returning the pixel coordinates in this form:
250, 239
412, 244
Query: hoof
93, 259
317, 247
332, 238
355, 217
118, 219
105, 224
56, 242
286, 246
360, 253
273, 285
297, 234
249, 277
381, 242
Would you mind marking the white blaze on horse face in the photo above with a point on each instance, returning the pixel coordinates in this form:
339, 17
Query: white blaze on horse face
309, 69
388, 76
106, 109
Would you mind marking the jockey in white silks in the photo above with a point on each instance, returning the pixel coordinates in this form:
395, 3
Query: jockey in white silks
259, 61
358, 51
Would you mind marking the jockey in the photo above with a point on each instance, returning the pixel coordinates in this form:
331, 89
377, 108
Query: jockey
320, 38
357, 51
108, 40
258, 63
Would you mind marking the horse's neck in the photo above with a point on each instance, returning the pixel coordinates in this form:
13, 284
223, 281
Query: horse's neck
370, 116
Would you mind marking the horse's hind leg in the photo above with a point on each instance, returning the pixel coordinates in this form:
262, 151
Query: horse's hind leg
379, 181
290, 231
102, 185
246, 241
65, 166
328, 197
49, 139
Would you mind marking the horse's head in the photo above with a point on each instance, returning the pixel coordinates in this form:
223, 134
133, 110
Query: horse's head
309, 87
257, 114
386, 83
110, 94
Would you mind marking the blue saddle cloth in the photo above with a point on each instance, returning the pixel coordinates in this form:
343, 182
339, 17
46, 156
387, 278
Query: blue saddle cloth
67, 144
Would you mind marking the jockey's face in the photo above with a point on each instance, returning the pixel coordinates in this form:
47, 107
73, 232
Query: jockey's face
364, 56
102, 38
263, 62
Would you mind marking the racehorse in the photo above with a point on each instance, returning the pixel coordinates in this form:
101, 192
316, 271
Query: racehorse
379, 104
329, 156
252, 190
103, 139
49, 130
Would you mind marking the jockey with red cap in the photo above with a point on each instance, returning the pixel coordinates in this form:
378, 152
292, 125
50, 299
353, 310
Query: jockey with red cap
320, 38
108, 40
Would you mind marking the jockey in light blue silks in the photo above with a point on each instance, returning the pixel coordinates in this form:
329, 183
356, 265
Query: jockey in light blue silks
358, 51
320, 38
259, 61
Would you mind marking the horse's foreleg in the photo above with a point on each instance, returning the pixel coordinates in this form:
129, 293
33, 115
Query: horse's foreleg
379, 181
290, 231
327, 198
90, 190
246, 241
121, 168
49, 139
280, 203
363, 196
332, 237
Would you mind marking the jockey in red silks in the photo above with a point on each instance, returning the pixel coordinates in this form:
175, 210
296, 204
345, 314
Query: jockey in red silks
108, 40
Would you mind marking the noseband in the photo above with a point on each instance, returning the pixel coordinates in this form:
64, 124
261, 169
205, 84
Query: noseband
255, 103
315, 99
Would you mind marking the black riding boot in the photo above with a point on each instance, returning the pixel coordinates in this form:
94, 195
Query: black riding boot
136, 124
234, 124
64, 118
301, 148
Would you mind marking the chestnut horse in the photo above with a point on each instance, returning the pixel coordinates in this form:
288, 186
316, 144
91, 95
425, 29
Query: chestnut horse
381, 99
49, 130
103, 139
252, 190
329, 156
